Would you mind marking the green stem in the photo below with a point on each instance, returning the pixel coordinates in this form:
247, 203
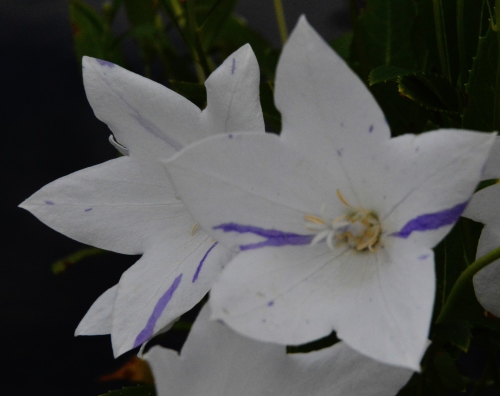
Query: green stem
280, 16
464, 279
461, 40
496, 112
441, 39
200, 61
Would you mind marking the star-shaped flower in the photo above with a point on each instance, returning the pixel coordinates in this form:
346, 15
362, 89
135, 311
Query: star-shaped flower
484, 207
128, 205
215, 361
334, 220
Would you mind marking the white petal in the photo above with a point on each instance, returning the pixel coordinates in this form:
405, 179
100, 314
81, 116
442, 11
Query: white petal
484, 207
492, 169
99, 318
150, 120
420, 185
233, 95
325, 107
379, 303
217, 362
116, 206
253, 179
170, 278
487, 281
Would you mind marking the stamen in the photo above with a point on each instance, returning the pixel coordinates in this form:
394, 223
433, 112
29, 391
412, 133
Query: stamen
194, 229
359, 230
342, 199
314, 219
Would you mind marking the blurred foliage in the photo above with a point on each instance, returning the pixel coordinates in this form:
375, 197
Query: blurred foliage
429, 63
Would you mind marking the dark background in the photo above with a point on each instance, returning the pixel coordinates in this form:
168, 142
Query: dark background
48, 130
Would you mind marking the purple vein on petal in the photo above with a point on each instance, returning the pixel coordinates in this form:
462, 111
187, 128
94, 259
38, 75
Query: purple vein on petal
197, 272
145, 123
153, 129
160, 306
431, 221
272, 237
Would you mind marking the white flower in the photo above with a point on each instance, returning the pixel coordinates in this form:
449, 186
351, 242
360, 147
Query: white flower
334, 220
484, 207
128, 205
217, 362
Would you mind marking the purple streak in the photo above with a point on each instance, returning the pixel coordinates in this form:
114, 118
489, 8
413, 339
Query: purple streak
152, 128
272, 237
105, 63
160, 306
233, 66
49, 203
88, 210
195, 276
371, 129
431, 221
148, 125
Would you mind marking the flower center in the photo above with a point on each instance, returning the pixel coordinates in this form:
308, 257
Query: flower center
360, 229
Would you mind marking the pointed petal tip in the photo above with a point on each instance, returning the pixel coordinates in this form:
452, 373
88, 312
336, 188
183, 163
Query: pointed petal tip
303, 24
119, 349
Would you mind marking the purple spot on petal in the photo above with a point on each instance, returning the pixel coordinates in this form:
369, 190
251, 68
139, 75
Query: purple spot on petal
230, 136
49, 203
272, 237
233, 67
105, 63
160, 306
339, 152
88, 210
431, 221
270, 303
423, 256
370, 130
198, 269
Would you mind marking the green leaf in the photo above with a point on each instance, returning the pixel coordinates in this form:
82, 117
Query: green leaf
211, 16
383, 34
91, 34
480, 89
236, 32
342, 45
448, 372
457, 333
195, 92
387, 73
402, 114
64, 263
430, 91
141, 390
271, 114
110, 9
139, 12
427, 89
435, 36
